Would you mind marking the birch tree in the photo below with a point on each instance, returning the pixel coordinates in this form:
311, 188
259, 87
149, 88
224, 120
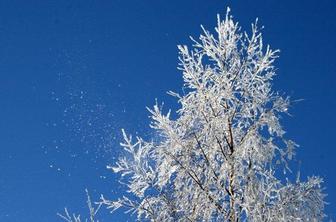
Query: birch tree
223, 158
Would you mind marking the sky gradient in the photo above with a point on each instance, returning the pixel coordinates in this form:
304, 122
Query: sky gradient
73, 73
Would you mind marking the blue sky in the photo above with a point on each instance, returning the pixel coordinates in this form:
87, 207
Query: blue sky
73, 73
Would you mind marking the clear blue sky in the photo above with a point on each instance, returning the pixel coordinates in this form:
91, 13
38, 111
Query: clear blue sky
73, 73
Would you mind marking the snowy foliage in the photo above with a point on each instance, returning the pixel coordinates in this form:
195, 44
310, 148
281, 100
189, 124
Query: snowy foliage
77, 218
224, 157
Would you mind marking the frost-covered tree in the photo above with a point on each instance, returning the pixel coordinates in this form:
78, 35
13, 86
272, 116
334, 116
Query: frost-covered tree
223, 158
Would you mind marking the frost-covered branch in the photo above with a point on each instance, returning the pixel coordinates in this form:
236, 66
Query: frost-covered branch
66, 216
